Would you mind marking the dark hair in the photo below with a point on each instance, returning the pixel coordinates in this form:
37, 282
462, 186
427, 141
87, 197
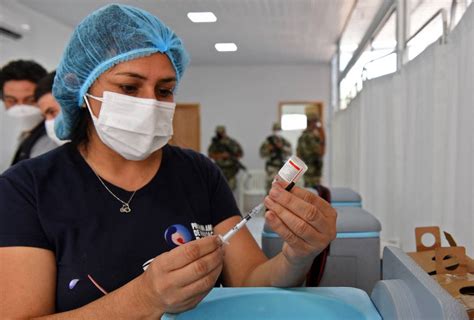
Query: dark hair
21, 70
45, 85
80, 133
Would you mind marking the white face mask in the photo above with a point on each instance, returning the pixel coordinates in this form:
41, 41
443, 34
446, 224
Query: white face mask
133, 127
27, 116
49, 125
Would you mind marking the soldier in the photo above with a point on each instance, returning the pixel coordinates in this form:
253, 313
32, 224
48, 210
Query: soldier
226, 152
311, 148
275, 150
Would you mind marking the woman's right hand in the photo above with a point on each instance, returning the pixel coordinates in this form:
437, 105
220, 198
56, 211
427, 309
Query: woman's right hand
179, 279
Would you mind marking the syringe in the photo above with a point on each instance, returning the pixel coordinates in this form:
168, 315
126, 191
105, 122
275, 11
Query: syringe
225, 238
291, 171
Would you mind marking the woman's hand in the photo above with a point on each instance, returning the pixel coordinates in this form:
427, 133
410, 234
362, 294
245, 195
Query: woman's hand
179, 279
303, 220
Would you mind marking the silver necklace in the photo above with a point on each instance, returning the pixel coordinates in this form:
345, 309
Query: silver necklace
125, 205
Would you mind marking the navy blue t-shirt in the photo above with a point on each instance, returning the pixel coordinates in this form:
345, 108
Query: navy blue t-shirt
56, 202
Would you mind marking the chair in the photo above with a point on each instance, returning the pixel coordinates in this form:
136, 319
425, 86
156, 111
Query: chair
251, 189
345, 197
408, 292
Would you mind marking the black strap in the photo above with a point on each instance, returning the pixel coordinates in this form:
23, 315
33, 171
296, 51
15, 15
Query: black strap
315, 274
24, 150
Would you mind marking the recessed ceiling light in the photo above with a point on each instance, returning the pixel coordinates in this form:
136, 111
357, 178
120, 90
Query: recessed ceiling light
199, 17
226, 47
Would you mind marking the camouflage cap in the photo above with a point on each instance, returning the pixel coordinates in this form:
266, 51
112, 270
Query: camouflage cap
220, 129
312, 117
276, 126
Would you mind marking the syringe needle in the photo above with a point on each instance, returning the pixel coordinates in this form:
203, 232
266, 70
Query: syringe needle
225, 238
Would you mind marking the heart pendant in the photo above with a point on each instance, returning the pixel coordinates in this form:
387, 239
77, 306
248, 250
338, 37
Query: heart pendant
125, 208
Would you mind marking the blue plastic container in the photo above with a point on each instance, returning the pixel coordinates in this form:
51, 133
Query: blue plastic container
282, 304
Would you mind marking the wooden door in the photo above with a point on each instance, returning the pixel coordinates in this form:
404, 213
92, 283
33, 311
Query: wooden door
187, 127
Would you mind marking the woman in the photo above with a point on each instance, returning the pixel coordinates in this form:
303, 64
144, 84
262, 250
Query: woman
79, 224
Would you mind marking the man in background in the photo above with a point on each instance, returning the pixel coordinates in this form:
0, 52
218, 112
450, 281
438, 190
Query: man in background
226, 152
275, 150
311, 148
22, 126
48, 105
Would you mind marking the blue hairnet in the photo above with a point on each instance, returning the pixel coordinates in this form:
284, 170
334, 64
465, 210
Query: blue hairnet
112, 34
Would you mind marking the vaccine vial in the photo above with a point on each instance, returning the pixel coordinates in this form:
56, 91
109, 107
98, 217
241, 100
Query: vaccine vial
292, 170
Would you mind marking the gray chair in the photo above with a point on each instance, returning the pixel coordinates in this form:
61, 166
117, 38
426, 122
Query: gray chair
345, 197
354, 256
408, 292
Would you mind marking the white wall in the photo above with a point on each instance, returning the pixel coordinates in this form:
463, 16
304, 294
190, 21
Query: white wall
44, 42
245, 99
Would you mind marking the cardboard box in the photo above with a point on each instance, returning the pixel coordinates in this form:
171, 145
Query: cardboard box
450, 266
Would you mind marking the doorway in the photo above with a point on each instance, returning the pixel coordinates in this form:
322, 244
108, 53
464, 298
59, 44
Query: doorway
187, 127
292, 118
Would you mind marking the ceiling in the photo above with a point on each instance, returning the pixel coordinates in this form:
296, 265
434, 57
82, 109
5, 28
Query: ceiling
265, 31
360, 20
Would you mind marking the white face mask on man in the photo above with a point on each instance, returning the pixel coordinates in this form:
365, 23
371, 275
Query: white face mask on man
49, 125
133, 127
27, 116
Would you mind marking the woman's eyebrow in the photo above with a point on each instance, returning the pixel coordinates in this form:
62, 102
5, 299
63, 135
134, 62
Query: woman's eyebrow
142, 77
167, 80
131, 74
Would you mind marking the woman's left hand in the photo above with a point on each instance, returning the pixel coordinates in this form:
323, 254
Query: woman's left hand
303, 220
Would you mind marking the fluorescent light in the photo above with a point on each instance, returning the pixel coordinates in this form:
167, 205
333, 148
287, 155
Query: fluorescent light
199, 17
226, 47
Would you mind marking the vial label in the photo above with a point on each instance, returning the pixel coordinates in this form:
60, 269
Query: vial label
293, 169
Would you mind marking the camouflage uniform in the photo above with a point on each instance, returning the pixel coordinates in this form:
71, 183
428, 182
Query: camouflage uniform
226, 152
275, 150
311, 150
